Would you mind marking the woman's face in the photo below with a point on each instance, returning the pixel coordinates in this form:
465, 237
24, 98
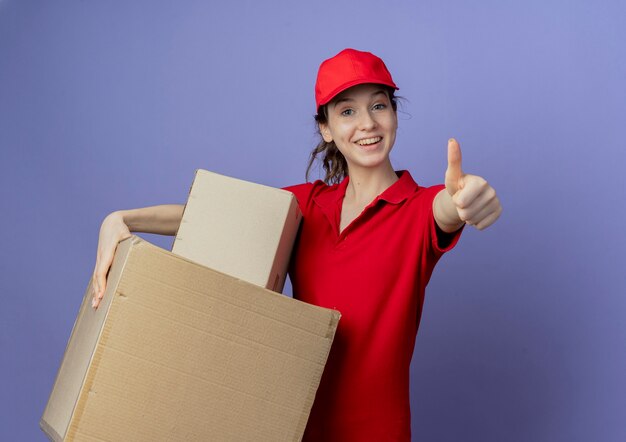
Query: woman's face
362, 123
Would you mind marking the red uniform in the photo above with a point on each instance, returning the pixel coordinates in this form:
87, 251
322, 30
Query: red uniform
375, 273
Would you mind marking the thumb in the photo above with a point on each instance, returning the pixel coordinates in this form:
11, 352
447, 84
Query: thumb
454, 173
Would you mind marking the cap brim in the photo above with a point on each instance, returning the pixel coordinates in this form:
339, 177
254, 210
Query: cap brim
328, 98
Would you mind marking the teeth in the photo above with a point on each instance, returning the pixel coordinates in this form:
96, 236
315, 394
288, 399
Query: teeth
368, 141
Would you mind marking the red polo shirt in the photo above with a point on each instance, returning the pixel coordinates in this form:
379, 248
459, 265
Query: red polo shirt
374, 273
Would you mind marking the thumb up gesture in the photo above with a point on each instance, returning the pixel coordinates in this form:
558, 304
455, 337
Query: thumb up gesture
467, 198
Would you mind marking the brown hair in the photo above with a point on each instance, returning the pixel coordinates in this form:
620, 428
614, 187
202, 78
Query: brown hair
334, 163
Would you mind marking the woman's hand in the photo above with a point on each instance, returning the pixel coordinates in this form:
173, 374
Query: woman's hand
163, 220
467, 198
112, 231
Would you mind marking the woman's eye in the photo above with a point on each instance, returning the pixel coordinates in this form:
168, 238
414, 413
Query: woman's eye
347, 112
379, 106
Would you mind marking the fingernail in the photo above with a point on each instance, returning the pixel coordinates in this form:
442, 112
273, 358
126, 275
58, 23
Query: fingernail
93, 302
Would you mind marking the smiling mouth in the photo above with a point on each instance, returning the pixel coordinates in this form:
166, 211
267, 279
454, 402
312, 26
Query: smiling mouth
369, 141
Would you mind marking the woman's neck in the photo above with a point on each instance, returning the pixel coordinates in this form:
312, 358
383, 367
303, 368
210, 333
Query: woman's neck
367, 183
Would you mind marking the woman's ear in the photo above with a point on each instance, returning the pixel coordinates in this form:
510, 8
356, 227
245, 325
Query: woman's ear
325, 132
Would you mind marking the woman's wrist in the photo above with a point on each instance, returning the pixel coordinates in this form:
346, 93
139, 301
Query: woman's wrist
445, 213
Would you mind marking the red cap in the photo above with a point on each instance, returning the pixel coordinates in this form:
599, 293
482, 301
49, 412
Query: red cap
346, 69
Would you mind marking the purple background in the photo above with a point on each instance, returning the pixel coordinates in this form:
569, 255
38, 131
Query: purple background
111, 105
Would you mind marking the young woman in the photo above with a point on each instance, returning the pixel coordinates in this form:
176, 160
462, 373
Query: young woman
369, 241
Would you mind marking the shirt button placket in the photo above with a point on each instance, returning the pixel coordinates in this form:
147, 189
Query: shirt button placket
341, 242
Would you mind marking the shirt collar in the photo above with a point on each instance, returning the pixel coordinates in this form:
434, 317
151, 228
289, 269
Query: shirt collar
401, 189
394, 194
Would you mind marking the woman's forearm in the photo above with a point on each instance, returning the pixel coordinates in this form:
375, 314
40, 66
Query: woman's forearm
163, 220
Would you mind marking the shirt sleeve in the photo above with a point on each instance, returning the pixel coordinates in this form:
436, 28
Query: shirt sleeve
303, 193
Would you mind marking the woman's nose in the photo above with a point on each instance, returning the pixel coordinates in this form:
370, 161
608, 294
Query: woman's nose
367, 122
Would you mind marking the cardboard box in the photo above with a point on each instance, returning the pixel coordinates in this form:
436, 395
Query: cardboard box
240, 228
180, 352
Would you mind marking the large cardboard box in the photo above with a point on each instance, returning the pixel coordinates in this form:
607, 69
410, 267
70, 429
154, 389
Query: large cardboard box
243, 229
180, 352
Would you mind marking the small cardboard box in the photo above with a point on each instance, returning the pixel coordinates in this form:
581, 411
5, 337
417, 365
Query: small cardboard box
178, 351
240, 228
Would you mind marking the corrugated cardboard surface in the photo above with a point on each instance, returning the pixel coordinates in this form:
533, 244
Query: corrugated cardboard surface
79, 351
187, 353
240, 228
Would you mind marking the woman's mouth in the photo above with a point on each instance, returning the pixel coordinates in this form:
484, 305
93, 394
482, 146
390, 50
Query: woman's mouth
369, 142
